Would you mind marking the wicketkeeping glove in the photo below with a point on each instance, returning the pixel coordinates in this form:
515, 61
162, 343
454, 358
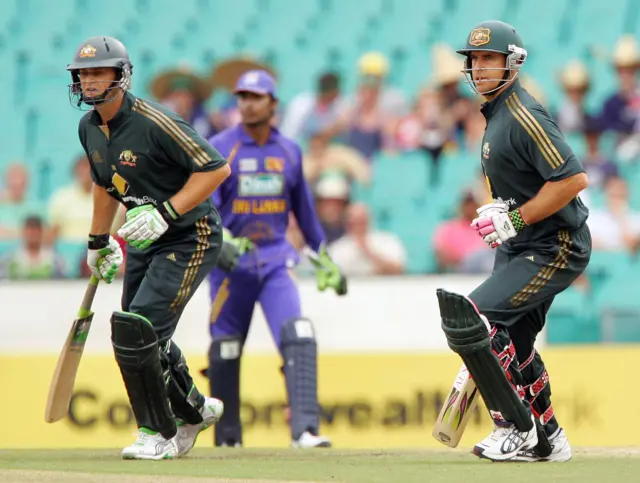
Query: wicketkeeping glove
232, 249
495, 224
104, 257
145, 224
328, 273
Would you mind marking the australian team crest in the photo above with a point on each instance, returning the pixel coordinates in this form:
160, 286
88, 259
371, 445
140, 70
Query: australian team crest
481, 36
88, 51
485, 151
128, 158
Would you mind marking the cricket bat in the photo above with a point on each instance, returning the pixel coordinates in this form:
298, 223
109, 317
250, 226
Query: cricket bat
64, 377
457, 410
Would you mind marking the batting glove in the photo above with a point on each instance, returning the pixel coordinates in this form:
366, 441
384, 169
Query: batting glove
104, 257
145, 224
496, 224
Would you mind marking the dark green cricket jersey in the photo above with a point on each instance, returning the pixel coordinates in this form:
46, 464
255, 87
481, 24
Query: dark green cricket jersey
148, 157
522, 149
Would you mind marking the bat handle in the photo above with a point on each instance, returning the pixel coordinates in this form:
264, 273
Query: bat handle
89, 294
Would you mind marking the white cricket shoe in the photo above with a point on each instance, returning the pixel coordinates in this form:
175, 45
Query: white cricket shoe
560, 450
188, 433
504, 443
308, 440
150, 445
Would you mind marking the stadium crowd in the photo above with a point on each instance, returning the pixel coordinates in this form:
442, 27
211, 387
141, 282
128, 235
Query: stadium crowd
341, 133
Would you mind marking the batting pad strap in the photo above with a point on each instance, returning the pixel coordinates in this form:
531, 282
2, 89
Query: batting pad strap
545, 417
506, 356
536, 388
529, 359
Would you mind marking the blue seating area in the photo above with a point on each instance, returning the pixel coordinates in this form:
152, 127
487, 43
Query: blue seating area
300, 39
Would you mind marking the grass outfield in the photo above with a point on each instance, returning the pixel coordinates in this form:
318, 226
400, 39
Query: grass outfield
277, 466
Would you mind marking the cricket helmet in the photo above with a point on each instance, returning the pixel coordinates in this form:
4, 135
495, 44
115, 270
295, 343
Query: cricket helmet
99, 52
494, 36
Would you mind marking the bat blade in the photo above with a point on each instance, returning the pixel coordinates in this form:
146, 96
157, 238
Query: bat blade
457, 410
64, 376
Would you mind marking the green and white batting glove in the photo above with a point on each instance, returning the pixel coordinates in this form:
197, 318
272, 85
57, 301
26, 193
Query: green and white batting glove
104, 257
145, 224
327, 272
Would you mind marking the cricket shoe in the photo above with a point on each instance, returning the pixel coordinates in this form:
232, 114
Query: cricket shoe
151, 445
560, 450
187, 434
309, 440
504, 443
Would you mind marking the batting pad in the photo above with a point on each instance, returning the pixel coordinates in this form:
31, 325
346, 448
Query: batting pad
135, 345
467, 335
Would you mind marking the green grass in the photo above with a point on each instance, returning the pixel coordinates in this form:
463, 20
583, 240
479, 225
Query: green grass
326, 465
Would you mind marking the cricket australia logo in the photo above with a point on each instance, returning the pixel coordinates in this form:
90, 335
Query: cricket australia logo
128, 158
485, 151
88, 51
481, 36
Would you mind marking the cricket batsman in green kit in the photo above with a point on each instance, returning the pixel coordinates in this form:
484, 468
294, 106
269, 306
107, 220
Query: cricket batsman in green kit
537, 224
154, 163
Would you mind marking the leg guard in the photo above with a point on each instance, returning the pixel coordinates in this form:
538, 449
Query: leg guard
136, 350
186, 401
224, 378
299, 351
538, 392
468, 335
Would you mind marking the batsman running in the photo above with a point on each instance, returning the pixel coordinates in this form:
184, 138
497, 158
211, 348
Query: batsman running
265, 185
537, 224
154, 163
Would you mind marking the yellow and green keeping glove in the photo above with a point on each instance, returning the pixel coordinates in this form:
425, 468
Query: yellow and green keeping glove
327, 272
232, 249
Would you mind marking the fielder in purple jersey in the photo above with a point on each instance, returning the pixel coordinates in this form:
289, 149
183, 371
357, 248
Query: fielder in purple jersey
266, 184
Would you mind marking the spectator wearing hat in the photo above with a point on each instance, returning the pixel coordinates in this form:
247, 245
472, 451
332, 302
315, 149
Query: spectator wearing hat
621, 110
310, 113
369, 123
332, 194
575, 82
323, 156
185, 93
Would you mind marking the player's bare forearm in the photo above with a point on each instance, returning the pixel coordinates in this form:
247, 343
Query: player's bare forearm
552, 197
198, 188
104, 211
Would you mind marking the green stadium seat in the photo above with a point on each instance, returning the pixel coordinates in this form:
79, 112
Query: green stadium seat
570, 319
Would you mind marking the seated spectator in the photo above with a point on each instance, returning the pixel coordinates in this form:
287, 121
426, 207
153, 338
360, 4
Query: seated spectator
369, 121
185, 93
597, 166
454, 241
572, 113
323, 156
621, 111
14, 204
34, 260
309, 113
617, 227
332, 198
363, 252
71, 207
446, 79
